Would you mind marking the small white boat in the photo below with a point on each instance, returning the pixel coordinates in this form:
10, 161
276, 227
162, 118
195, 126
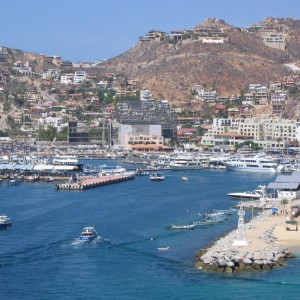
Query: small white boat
157, 177
4, 222
189, 226
88, 234
184, 178
163, 248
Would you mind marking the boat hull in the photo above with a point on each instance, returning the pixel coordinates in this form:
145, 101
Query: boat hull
4, 226
244, 196
250, 169
88, 239
185, 168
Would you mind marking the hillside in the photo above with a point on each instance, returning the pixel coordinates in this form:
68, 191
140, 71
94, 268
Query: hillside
213, 54
169, 69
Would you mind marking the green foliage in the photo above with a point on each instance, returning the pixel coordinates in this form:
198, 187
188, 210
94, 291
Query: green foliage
284, 201
3, 133
254, 146
294, 92
62, 135
6, 106
48, 134
13, 128
19, 102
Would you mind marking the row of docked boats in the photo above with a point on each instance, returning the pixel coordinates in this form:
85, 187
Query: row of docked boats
259, 162
57, 163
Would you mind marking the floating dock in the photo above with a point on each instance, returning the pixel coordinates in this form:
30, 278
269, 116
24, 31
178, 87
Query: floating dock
89, 182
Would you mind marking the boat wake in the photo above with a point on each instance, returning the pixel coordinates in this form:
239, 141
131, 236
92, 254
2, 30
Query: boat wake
79, 242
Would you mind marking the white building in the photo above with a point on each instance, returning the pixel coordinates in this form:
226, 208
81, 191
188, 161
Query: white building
267, 133
79, 77
67, 78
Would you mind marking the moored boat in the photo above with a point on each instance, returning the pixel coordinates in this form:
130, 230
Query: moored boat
88, 234
254, 195
157, 177
14, 181
67, 162
256, 163
188, 226
4, 222
185, 164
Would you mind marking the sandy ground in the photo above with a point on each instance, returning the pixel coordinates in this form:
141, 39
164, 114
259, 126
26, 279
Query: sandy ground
284, 238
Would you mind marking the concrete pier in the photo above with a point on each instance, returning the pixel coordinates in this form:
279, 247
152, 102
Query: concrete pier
89, 182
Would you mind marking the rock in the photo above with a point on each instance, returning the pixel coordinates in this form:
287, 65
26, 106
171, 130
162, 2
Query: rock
266, 267
230, 264
248, 268
247, 261
289, 255
228, 270
199, 264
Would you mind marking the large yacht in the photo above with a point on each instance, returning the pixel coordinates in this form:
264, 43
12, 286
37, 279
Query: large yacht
185, 163
257, 163
67, 161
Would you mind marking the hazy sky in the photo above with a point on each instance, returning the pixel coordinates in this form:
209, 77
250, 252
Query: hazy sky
91, 30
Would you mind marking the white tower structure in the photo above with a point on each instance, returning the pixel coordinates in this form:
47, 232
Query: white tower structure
240, 237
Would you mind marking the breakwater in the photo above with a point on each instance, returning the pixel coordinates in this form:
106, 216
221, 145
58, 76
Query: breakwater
90, 182
260, 253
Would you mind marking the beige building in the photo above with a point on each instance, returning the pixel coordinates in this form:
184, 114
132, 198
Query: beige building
130, 135
266, 132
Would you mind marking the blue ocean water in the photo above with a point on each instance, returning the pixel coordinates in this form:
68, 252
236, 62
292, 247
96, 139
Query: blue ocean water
41, 256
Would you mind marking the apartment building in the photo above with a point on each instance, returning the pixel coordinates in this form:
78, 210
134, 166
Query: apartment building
265, 132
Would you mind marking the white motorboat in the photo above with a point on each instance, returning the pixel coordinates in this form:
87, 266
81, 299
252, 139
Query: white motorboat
252, 195
157, 177
88, 234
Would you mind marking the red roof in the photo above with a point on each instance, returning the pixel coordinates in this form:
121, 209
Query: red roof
186, 130
220, 106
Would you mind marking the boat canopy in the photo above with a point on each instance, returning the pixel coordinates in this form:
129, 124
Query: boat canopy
42, 167
7, 166
64, 168
23, 167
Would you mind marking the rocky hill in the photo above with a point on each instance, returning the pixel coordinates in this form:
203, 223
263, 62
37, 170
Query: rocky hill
169, 69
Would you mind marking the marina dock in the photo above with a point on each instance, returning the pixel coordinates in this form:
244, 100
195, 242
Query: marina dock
89, 182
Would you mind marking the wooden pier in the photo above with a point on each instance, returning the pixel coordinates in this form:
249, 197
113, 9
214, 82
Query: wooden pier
89, 182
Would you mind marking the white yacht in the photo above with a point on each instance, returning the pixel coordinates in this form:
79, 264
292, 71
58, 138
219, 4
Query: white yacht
185, 164
257, 163
66, 162
256, 194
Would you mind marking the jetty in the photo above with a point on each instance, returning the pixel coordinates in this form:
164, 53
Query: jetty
89, 182
264, 243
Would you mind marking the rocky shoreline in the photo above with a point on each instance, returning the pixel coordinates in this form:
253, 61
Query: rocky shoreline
222, 256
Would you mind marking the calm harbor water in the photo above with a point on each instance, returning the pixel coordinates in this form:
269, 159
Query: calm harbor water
41, 256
